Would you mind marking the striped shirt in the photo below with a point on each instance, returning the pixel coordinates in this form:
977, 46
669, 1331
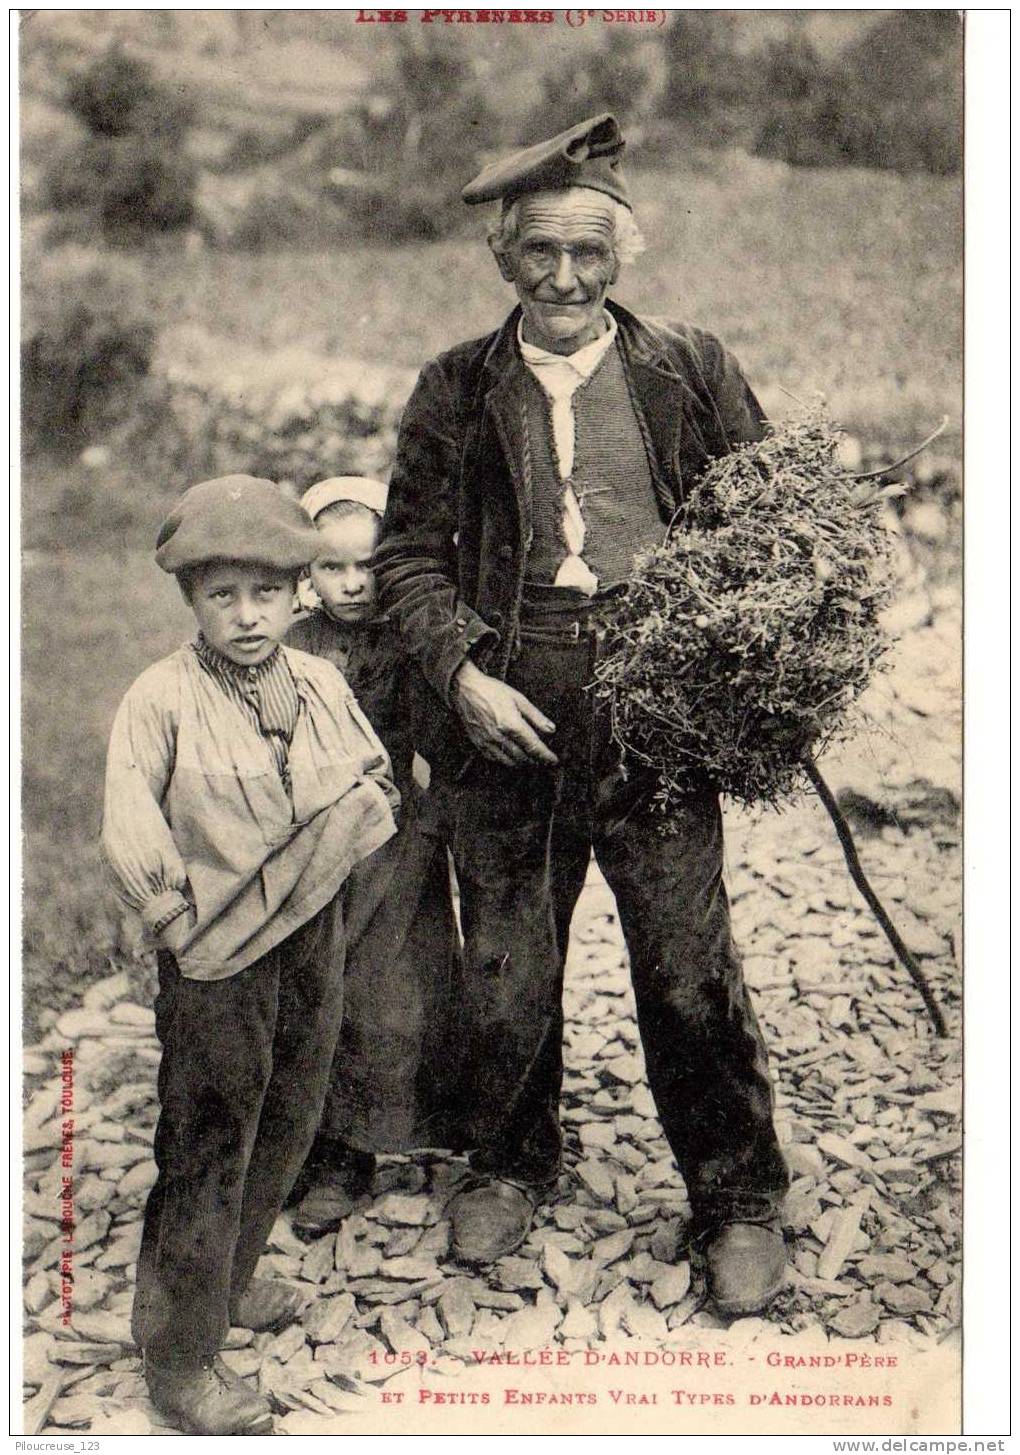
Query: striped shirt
265, 693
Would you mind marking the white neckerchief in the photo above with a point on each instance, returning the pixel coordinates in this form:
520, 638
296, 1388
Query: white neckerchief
560, 376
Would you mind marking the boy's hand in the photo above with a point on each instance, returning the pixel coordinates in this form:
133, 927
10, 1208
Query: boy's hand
177, 931
499, 720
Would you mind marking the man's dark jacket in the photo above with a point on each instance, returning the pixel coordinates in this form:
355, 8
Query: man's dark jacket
453, 556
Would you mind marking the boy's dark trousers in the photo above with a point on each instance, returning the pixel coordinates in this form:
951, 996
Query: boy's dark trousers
523, 838
242, 1081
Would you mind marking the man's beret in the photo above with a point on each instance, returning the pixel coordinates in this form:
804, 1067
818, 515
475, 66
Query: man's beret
236, 518
585, 155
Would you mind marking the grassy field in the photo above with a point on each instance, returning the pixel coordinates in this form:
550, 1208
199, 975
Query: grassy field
845, 282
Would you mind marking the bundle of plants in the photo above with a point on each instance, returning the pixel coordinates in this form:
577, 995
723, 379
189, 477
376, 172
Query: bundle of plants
740, 647
744, 640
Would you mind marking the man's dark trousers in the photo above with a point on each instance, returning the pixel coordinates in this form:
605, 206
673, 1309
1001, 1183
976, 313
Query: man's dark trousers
242, 1081
523, 837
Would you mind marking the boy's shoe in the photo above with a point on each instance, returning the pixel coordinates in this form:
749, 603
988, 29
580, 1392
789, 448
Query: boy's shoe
490, 1217
336, 1189
746, 1266
266, 1305
201, 1402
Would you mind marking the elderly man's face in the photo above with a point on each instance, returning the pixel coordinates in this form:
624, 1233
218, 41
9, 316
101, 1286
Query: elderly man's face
562, 264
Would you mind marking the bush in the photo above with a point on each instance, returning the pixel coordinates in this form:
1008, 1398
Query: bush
707, 81
117, 96
613, 78
419, 141
132, 185
87, 342
129, 177
892, 101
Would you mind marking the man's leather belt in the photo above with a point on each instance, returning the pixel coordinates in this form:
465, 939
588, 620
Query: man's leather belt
561, 611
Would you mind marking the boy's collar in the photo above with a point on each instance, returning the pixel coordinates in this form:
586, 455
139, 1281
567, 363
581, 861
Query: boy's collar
220, 663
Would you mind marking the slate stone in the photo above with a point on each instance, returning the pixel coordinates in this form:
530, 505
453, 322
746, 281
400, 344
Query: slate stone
892, 1266
597, 1178
126, 1013
400, 1209
327, 1318
840, 1149
856, 1320
903, 1298
102, 1326
671, 1287
419, 1271
456, 1308
642, 1321
401, 1337
530, 1328
514, 1274
243, 1362
578, 1323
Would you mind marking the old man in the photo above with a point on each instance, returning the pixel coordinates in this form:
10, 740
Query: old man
532, 464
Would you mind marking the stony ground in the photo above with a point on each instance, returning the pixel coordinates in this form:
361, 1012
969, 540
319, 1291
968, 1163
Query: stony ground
868, 1110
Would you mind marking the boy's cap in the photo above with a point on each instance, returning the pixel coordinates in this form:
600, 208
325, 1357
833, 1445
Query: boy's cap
585, 155
236, 518
359, 488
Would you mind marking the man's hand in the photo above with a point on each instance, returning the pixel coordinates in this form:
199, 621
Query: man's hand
499, 720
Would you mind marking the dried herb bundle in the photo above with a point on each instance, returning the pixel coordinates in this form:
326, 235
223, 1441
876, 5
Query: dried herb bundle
742, 642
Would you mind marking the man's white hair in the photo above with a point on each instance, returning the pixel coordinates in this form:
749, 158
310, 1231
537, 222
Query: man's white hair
628, 241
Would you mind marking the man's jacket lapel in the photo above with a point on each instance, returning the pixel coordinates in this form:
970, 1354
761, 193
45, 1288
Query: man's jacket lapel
503, 411
663, 398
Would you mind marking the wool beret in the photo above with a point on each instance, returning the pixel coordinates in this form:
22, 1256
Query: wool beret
236, 518
360, 488
585, 155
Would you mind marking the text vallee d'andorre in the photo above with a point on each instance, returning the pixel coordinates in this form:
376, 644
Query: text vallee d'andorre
678, 1358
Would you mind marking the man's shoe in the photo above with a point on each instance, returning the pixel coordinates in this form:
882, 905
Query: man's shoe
333, 1195
746, 1267
201, 1402
490, 1219
266, 1304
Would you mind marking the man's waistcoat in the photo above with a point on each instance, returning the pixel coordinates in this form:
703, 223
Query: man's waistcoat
459, 528
611, 477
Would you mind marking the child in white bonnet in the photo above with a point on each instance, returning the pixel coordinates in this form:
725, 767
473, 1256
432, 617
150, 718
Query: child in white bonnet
392, 1077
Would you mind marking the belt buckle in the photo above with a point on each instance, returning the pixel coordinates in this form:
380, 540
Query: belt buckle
575, 630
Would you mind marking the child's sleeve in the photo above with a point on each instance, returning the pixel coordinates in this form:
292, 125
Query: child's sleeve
136, 840
377, 765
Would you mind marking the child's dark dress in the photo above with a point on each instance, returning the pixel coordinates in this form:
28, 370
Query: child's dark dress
393, 1076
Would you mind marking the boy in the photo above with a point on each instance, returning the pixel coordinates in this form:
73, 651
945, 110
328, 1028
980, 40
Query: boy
243, 784
392, 1077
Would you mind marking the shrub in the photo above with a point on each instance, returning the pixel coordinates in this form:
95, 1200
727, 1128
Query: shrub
614, 77
116, 96
87, 342
892, 101
707, 82
132, 185
420, 139
130, 176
